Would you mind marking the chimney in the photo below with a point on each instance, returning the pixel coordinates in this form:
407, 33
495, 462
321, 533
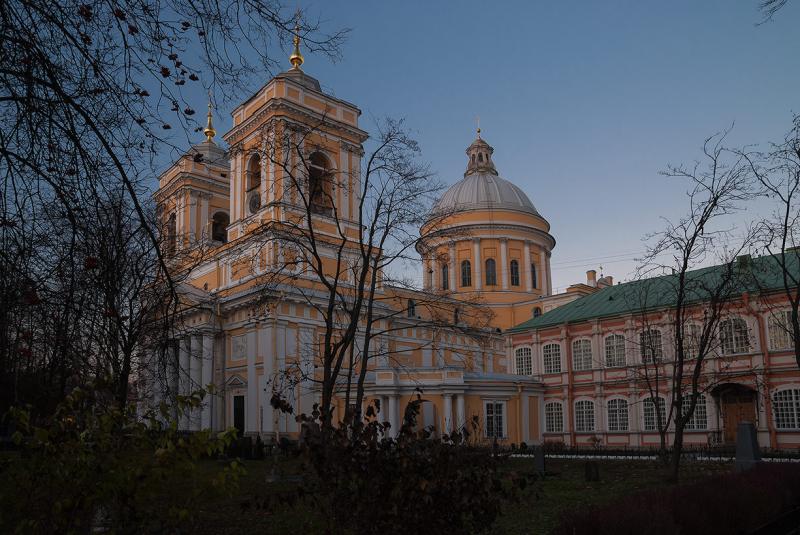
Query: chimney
591, 278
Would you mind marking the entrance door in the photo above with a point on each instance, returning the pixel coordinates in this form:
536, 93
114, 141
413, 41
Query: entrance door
238, 414
736, 407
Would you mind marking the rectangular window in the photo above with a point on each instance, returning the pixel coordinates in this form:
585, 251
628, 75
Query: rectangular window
615, 351
786, 404
551, 358
524, 361
581, 355
617, 415
780, 330
553, 417
238, 414
650, 345
584, 416
494, 418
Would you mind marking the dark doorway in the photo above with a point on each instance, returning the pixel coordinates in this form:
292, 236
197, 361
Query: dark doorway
737, 403
238, 414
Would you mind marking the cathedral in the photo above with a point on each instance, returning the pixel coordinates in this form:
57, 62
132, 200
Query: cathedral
542, 367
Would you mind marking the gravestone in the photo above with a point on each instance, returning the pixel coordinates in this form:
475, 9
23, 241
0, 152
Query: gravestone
747, 451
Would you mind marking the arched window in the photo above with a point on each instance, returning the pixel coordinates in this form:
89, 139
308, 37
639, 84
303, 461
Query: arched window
514, 273
219, 227
524, 361
650, 346
412, 309
320, 185
445, 277
699, 418
537, 312
733, 336
581, 355
172, 233
615, 351
553, 417
653, 421
466, 273
551, 358
617, 415
786, 405
253, 172
534, 283
584, 416
491, 272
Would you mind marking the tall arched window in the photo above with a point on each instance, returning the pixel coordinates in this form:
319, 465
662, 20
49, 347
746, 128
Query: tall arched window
698, 421
654, 420
219, 227
581, 355
551, 358
253, 172
412, 308
733, 336
466, 273
786, 406
584, 416
537, 312
172, 233
553, 417
320, 184
491, 272
533, 276
524, 361
617, 415
650, 346
615, 351
445, 277
514, 273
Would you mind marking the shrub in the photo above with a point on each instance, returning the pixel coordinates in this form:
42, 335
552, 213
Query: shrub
732, 503
93, 465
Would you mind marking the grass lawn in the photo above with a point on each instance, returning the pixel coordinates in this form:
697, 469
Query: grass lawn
537, 512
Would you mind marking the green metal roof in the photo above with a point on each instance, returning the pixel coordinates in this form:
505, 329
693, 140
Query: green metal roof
759, 274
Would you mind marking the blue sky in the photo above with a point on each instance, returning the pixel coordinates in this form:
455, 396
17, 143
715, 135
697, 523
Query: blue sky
584, 102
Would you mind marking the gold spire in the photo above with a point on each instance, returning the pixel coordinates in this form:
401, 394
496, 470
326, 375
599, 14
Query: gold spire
296, 59
209, 129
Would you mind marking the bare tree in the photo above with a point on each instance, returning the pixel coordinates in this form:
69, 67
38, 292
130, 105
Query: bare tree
695, 297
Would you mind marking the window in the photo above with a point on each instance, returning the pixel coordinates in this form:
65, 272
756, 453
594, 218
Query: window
494, 411
615, 351
551, 358
445, 277
219, 227
734, 337
786, 404
533, 276
691, 341
553, 417
320, 185
584, 416
650, 345
238, 414
617, 415
172, 233
524, 361
537, 312
699, 418
779, 326
514, 273
253, 172
466, 273
455, 317
581, 355
412, 308
491, 272
651, 420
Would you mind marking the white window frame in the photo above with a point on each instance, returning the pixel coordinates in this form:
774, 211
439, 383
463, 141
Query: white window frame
494, 403
732, 342
527, 365
581, 358
780, 330
616, 356
581, 415
662, 406
699, 419
691, 340
549, 417
645, 349
552, 359
787, 409
620, 423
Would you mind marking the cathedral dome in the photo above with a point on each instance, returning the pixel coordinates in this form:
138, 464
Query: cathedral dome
482, 188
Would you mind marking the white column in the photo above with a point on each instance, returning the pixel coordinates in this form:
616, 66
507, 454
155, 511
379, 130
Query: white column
265, 395
207, 378
549, 278
526, 266
184, 382
196, 376
448, 413
460, 416
476, 270
504, 262
452, 269
251, 410
394, 412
